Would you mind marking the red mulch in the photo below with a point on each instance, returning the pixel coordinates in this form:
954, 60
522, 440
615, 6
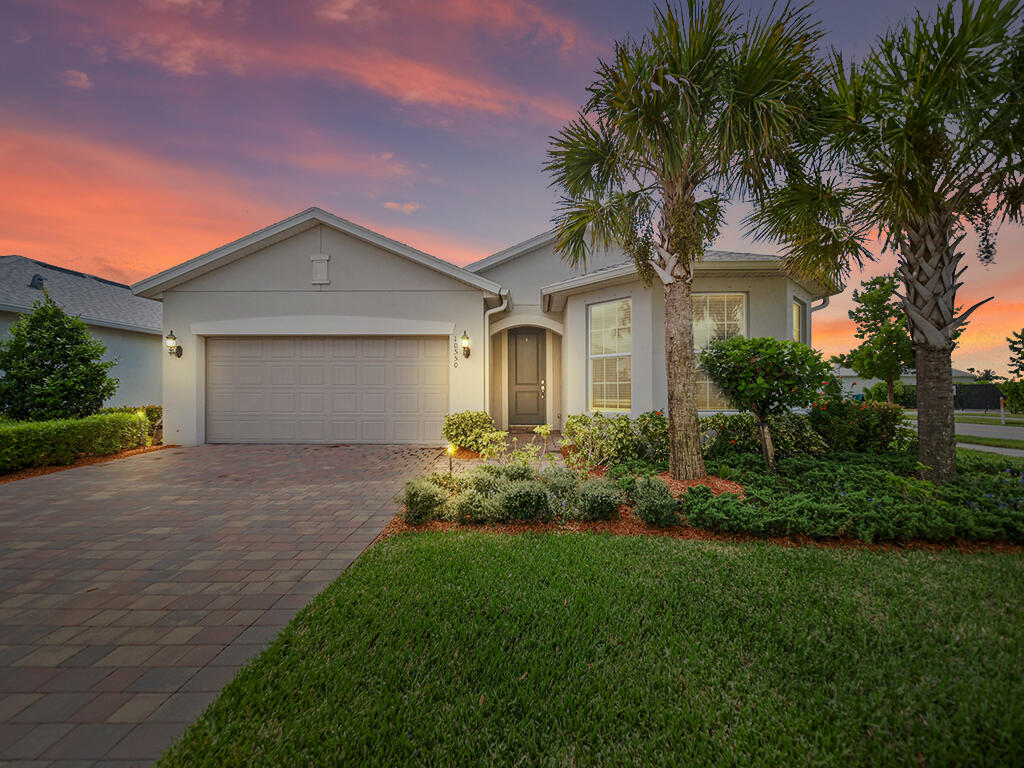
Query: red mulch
21, 474
629, 525
465, 453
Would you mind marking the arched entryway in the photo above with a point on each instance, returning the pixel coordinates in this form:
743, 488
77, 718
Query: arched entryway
526, 373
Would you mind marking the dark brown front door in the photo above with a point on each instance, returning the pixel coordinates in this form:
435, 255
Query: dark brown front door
527, 385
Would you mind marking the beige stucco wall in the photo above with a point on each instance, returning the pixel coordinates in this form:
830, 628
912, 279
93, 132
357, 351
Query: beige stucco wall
138, 357
768, 314
370, 291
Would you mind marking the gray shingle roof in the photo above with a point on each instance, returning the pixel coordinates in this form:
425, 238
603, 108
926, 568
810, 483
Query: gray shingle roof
96, 300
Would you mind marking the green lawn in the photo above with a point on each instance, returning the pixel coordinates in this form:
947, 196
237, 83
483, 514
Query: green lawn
991, 420
468, 648
997, 442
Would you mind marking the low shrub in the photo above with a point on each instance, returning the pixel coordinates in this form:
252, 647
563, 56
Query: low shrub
625, 475
863, 427
472, 430
904, 395
449, 482
153, 413
517, 471
471, 506
654, 503
25, 444
723, 434
596, 499
423, 500
871, 497
487, 479
524, 500
561, 482
598, 440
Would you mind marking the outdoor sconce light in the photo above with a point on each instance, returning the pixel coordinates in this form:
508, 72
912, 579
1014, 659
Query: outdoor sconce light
465, 344
173, 348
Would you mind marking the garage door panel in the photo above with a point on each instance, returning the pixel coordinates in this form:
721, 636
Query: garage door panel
326, 389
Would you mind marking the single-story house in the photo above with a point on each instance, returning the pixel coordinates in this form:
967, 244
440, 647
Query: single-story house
130, 326
318, 330
854, 385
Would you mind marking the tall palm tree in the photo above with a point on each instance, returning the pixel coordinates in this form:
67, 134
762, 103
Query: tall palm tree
701, 108
919, 143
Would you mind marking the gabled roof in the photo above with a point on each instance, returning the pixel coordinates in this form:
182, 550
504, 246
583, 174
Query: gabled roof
512, 252
95, 300
155, 286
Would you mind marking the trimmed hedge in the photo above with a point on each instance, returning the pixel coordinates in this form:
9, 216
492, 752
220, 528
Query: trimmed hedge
25, 444
153, 412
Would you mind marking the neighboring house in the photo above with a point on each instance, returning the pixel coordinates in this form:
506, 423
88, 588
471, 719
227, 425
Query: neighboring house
855, 385
318, 330
129, 325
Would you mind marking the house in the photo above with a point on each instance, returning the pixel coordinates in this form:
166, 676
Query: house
854, 385
318, 330
129, 325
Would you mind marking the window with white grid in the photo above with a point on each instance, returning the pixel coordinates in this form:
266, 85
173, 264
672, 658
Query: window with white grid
610, 355
716, 316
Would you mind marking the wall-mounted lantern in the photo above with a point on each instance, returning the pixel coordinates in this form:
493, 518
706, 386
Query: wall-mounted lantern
465, 344
173, 348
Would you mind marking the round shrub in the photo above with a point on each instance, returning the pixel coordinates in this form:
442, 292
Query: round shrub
423, 500
654, 502
471, 507
468, 429
561, 482
524, 500
517, 472
597, 499
487, 479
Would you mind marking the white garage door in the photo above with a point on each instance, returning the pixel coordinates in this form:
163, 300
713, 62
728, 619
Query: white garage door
326, 389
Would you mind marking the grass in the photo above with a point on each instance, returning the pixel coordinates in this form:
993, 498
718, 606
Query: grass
996, 442
479, 649
989, 420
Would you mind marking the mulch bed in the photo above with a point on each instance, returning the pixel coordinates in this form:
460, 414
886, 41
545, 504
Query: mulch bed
21, 474
628, 524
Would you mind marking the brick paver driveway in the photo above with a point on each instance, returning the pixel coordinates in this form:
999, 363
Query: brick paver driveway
132, 591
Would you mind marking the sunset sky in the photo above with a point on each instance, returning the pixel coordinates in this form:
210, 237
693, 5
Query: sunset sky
135, 134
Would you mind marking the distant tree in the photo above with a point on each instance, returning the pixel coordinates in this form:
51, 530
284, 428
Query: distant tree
53, 368
986, 374
1016, 342
886, 351
765, 376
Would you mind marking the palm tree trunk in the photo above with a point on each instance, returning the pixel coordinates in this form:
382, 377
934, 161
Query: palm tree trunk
936, 441
929, 266
686, 461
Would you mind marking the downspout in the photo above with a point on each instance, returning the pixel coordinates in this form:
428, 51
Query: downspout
506, 303
824, 303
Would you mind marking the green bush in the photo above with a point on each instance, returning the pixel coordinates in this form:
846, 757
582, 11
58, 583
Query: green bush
904, 395
1013, 395
471, 430
850, 425
53, 367
561, 482
600, 440
517, 471
731, 433
471, 506
449, 482
654, 503
597, 499
487, 479
871, 497
625, 475
153, 412
423, 500
524, 500
26, 444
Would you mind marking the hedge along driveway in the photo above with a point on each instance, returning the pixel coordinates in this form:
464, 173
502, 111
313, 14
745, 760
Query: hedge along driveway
60, 441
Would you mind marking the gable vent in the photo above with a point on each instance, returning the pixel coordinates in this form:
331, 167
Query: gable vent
37, 282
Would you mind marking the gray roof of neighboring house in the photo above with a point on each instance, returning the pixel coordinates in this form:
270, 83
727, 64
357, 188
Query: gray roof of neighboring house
95, 300
850, 373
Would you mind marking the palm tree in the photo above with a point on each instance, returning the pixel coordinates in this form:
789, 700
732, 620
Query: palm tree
918, 144
698, 110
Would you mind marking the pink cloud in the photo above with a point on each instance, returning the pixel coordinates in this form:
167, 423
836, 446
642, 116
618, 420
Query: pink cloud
406, 208
73, 78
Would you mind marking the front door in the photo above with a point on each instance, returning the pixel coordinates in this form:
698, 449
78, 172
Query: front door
527, 384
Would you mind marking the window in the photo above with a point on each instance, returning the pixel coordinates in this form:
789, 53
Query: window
611, 347
799, 321
716, 316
